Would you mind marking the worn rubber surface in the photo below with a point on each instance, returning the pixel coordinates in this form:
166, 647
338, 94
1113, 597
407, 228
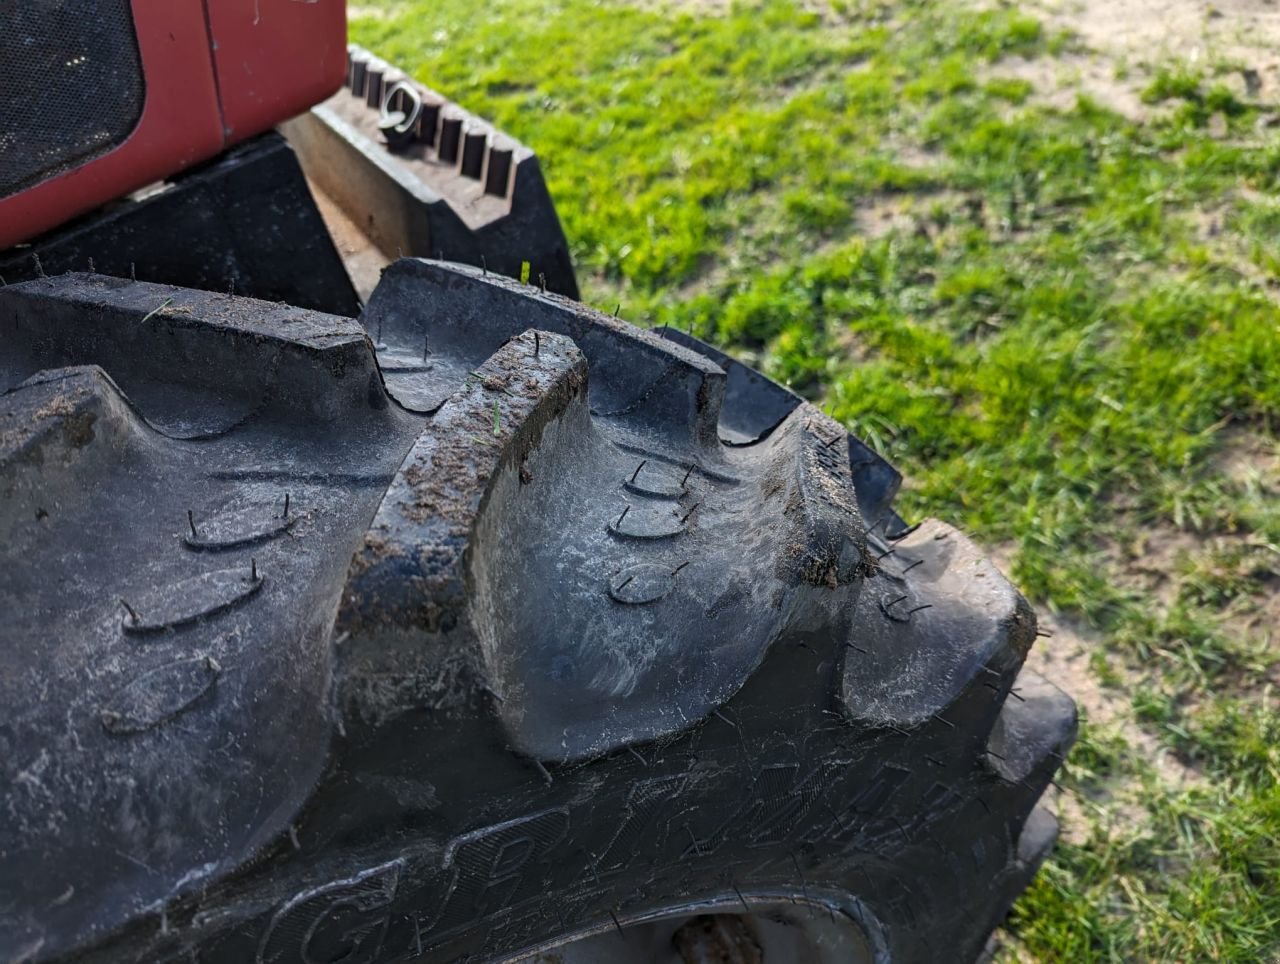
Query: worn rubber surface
490, 620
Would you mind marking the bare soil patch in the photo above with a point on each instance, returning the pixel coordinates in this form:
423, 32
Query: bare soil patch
1148, 565
1064, 659
1057, 82
878, 215
1147, 32
1250, 459
1125, 40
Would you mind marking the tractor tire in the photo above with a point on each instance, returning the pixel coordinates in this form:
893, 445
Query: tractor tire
485, 628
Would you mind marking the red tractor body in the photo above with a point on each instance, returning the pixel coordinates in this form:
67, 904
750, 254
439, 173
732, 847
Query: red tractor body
103, 103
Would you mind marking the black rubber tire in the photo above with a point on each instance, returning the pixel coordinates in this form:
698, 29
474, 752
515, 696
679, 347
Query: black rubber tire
323, 645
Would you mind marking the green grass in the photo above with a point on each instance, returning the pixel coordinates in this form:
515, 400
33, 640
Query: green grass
1048, 342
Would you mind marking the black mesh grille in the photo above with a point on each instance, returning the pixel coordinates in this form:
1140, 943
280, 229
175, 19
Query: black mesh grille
70, 85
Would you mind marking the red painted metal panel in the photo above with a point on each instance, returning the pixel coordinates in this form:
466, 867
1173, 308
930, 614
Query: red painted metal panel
275, 58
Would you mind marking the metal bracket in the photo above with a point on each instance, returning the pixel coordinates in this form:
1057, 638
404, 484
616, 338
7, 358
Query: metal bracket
418, 176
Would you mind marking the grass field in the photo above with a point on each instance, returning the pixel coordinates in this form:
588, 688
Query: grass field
1060, 321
